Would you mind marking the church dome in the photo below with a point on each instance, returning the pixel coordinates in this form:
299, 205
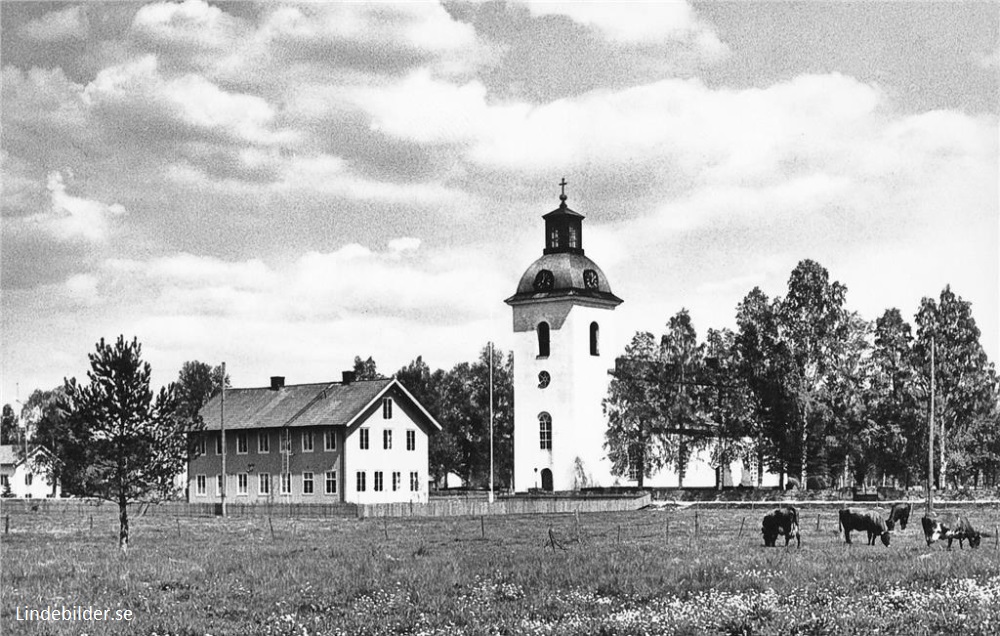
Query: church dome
563, 274
563, 270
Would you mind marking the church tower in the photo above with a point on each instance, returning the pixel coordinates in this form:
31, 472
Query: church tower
562, 309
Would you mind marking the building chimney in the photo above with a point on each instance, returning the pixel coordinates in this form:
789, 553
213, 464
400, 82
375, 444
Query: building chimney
277, 382
348, 377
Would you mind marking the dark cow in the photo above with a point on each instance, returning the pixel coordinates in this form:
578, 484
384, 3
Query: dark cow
781, 521
900, 512
864, 521
951, 526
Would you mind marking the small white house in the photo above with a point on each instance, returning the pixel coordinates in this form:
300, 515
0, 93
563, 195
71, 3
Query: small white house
354, 441
22, 476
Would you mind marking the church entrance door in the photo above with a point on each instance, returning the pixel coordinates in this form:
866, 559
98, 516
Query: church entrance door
547, 479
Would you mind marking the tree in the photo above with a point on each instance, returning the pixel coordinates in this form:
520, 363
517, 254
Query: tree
197, 383
365, 369
814, 326
634, 440
459, 399
52, 431
464, 410
425, 385
965, 383
734, 423
893, 415
8, 425
764, 363
129, 443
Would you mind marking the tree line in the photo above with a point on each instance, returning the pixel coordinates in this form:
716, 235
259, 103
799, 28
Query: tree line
810, 390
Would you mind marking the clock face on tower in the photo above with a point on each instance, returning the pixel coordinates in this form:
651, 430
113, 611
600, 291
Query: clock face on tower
590, 279
543, 281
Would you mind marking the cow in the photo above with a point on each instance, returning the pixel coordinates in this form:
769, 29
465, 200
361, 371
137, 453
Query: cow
950, 526
781, 521
900, 512
864, 521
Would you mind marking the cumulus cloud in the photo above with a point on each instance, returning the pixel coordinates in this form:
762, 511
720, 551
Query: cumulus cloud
71, 218
136, 95
638, 22
405, 244
190, 25
351, 283
56, 26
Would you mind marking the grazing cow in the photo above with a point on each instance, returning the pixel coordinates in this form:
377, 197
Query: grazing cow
900, 512
951, 526
781, 521
864, 521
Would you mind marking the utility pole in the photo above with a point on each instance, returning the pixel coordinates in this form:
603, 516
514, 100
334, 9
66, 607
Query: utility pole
222, 433
490, 497
930, 442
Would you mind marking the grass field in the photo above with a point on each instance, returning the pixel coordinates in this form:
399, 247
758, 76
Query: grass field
641, 572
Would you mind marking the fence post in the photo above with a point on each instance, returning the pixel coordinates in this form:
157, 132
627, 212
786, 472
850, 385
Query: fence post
817, 522
6, 524
741, 527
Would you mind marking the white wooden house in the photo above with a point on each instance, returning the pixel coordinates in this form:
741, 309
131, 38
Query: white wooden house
355, 441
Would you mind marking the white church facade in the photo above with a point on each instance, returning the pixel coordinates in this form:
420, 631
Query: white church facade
562, 311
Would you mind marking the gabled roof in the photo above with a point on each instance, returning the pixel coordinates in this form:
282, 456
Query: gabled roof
326, 404
9, 455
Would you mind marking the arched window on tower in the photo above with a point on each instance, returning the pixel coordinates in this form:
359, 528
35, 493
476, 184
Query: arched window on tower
543, 339
544, 431
595, 337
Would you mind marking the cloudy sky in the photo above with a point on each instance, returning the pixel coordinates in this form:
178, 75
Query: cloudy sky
284, 187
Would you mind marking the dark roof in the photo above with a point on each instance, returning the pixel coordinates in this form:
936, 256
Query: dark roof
326, 404
562, 210
567, 274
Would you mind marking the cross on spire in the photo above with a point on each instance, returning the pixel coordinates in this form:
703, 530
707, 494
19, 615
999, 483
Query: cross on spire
562, 195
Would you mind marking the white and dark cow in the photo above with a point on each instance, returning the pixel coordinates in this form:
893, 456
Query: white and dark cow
781, 521
900, 513
951, 526
864, 521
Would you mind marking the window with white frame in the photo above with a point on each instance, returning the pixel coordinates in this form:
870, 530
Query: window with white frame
263, 443
307, 441
387, 439
414, 481
286, 483
218, 485
199, 485
363, 438
545, 431
307, 483
242, 484
378, 481
218, 444
386, 408
411, 440
361, 481
4, 481
242, 446
263, 484
28, 479
330, 440
331, 482
284, 441
200, 448
397, 480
